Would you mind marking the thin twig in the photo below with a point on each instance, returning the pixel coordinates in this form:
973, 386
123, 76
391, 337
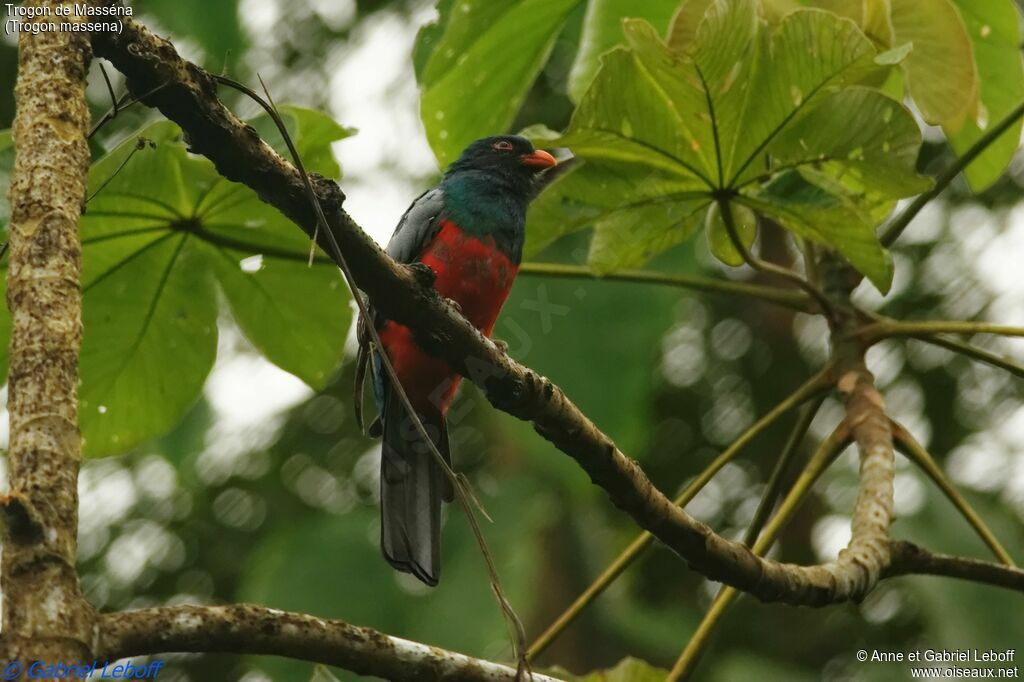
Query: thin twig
920, 456
819, 462
909, 559
140, 144
795, 300
119, 104
882, 330
774, 485
725, 209
972, 352
898, 225
807, 391
954, 345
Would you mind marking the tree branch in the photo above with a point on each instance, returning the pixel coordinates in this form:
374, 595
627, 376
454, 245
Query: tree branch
813, 387
917, 452
908, 558
819, 462
249, 629
788, 298
45, 616
881, 330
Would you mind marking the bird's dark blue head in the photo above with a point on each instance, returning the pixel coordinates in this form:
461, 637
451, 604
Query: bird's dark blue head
510, 157
487, 189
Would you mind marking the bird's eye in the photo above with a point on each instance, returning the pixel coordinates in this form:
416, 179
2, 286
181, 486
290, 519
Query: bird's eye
502, 146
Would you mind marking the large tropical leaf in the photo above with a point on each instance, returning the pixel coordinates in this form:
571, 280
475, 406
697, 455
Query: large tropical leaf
162, 233
477, 63
602, 30
994, 29
961, 62
735, 104
941, 75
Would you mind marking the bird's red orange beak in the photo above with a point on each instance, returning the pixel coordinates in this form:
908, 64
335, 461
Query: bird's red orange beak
539, 158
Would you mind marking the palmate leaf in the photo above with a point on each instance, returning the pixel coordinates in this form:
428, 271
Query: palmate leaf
602, 30
163, 234
477, 61
962, 66
994, 29
743, 103
940, 71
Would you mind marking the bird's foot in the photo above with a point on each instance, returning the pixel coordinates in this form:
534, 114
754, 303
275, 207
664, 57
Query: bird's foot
502, 345
423, 273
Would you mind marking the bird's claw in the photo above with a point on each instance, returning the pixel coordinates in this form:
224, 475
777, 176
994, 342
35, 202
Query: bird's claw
502, 345
423, 273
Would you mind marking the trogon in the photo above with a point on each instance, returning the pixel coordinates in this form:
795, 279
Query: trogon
469, 230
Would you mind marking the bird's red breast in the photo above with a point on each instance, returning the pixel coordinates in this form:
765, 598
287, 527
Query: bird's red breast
474, 273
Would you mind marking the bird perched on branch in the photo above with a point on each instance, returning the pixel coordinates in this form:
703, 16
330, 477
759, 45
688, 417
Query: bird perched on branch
469, 230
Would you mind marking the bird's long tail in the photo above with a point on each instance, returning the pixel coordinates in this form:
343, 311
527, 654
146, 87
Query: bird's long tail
412, 486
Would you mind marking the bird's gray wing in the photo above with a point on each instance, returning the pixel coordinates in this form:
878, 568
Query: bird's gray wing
416, 228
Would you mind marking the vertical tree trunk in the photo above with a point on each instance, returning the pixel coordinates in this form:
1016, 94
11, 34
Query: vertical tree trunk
44, 614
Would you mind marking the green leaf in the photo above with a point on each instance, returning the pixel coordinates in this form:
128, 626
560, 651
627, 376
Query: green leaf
994, 29
682, 31
214, 25
813, 213
322, 674
810, 55
719, 241
602, 30
740, 105
473, 82
631, 236
941, 75
311, 131
895, 56
627, 670
861, 138
637, 211
150, 341
161, 234
296, 315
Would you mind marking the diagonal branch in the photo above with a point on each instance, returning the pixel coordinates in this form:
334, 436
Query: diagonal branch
245, 628
917, 452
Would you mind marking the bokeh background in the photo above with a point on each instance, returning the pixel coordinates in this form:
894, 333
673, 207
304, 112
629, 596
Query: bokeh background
266, 492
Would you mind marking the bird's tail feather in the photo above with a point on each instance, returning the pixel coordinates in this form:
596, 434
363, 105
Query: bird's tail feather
412, 486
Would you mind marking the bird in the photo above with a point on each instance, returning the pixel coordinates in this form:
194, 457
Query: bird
469, 231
